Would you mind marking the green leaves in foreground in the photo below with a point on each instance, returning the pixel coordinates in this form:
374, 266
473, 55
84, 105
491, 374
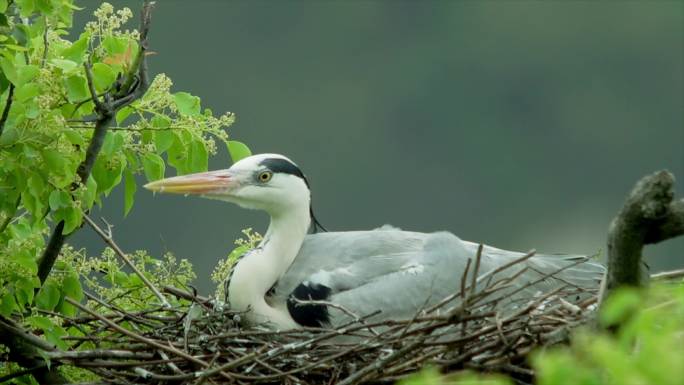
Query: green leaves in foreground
648, 347
431, 376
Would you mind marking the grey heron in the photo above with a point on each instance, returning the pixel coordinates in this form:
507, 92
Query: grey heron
386, 269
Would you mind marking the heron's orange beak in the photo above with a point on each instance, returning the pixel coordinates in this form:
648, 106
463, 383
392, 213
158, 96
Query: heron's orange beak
197, 184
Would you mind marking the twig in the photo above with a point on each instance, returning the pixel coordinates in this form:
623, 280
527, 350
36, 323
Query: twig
5, 379
43, 60
379, 364
138, 337
476, 271
107, 237
673, 274
10, 327
6, 110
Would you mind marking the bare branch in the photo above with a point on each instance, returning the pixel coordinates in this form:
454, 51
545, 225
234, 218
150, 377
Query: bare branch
110, 241
649, 215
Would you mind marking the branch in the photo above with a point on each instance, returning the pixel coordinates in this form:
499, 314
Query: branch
147, 341
26, 349
6, 110
135, 86
107, 237
648, 216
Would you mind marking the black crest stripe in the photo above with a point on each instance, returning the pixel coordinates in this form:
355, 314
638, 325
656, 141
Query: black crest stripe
278, 165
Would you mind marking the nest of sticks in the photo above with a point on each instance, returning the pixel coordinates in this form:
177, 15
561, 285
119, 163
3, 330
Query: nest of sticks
196, 343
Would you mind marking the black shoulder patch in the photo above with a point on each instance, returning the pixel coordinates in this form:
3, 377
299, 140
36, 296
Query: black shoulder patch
313, 315
283, 166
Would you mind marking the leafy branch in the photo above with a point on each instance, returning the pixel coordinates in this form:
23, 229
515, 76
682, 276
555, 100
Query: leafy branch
135, 85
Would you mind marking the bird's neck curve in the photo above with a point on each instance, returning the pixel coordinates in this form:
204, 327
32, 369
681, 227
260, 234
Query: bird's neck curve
260, 269
283, 239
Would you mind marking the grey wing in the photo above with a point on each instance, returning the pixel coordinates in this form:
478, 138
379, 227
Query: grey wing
426, 277
399, 272
394, 271
577, 275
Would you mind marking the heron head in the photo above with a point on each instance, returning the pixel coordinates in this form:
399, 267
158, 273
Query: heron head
268, 182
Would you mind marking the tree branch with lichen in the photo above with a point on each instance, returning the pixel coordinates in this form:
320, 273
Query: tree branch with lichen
650, 215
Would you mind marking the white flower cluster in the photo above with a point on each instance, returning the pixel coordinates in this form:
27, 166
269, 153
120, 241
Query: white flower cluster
109, 21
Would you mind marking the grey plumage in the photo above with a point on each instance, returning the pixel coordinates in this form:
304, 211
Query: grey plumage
399, 272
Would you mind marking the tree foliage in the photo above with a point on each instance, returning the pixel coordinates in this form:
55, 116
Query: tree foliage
49, 88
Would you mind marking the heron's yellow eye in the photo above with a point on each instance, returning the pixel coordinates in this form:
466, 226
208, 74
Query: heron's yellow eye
265, 176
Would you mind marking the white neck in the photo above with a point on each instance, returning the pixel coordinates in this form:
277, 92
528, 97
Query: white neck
261, 268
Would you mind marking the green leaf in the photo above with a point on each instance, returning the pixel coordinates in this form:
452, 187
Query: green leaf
44, 6
55, 335
8, 69
9, 136
238, 150
26, 73
26, 92
90, 193
72, 219
177, 156
27, 261
122, 114
48, 296
118, 278
40, 322
115, 45
77, 50
32, 109
129, 190
163, 140
65, 65
55, 161
107, 173
103, 76
21, 35
16, 47
187, 104
154, 166
619, 306
26, 7
25, 289
199, 157
71, 287
36, 185
59, 199
70, 5
77, 88
7, 304
74, 137
112, 144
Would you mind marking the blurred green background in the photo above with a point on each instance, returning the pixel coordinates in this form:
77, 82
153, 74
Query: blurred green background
521, 124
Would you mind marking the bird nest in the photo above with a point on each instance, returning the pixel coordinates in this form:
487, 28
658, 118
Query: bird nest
195, 343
